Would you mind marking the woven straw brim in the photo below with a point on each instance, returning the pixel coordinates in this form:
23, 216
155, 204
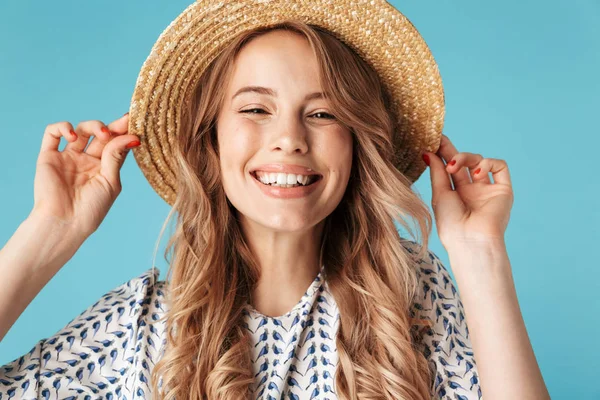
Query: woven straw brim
374, 29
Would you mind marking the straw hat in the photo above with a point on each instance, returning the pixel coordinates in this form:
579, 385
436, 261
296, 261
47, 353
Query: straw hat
374, 29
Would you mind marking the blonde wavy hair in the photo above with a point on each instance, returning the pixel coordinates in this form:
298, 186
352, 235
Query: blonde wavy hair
369, 272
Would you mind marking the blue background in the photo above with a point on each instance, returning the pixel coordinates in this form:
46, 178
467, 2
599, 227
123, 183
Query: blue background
521, 83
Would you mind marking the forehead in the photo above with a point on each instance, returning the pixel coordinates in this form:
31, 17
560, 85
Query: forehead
275, 58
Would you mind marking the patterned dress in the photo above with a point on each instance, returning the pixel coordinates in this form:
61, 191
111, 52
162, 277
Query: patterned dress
109, 350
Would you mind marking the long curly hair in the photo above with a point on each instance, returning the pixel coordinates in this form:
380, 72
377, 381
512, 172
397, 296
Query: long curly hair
368, 270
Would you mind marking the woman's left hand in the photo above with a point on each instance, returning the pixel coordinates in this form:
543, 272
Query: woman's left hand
474, 212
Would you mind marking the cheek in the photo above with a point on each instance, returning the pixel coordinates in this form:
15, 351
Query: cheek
235, 148
336, 149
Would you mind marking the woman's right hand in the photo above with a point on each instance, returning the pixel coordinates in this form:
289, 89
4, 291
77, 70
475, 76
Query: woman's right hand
78, 186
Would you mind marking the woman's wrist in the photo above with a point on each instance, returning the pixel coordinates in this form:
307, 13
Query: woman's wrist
478, 261
53, 240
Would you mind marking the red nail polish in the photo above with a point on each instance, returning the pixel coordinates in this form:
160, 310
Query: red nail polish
478, 170
73, 133
452, 162
104, 129
135, 143
426, 159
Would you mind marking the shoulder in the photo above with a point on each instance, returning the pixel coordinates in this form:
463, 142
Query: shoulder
125, 305
430, 270
446, 344
104, 349
436, 296
137, 292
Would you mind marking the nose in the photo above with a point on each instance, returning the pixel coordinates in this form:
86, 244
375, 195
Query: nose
291, 138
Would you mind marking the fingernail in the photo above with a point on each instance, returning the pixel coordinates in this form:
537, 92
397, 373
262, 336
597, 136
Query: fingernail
125, 114
426, 159
452, 162
73, 133
478, 170
104, 129
135, 143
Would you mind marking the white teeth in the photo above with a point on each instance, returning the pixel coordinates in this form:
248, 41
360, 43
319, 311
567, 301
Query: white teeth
281, 179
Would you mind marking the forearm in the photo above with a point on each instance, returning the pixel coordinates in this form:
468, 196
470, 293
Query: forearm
505, 359
31, 257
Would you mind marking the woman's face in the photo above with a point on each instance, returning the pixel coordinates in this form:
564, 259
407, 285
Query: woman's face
289, 129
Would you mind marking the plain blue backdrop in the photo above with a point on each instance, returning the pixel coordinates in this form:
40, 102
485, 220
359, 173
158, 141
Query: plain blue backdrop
521, 84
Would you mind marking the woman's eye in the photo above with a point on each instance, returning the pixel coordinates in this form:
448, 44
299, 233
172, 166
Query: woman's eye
329, 116
250, 111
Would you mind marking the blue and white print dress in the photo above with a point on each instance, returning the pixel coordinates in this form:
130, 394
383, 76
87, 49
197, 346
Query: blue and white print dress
109, 350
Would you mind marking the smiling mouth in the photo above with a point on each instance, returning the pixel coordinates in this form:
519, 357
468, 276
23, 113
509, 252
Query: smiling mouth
312, 180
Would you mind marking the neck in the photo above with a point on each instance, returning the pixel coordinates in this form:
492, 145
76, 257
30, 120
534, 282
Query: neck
289, 263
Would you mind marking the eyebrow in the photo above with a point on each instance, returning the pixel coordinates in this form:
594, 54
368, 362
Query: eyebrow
273, 93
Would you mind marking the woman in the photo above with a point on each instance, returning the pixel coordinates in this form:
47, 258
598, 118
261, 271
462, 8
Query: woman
278, 290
